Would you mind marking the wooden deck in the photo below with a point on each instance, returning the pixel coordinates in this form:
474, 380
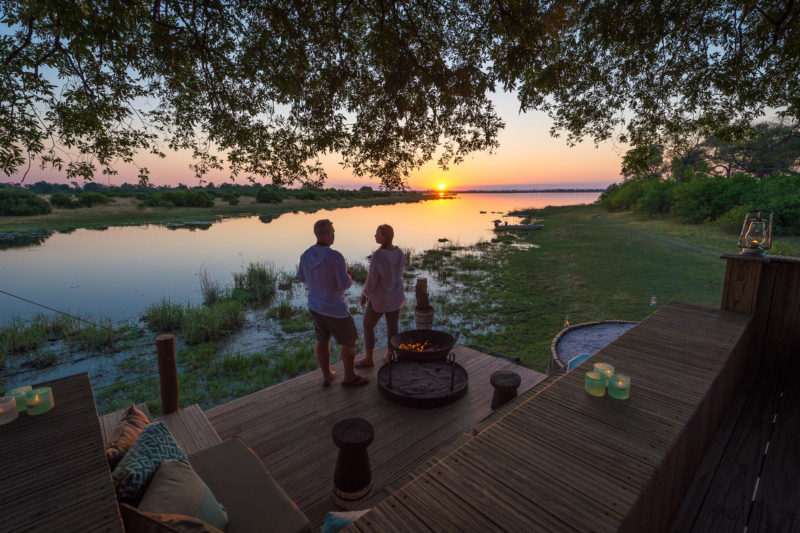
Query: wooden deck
54, 475
748, 480
289, 427
561, 460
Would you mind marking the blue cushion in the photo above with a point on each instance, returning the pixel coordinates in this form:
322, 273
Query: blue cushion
154, 445
336, 520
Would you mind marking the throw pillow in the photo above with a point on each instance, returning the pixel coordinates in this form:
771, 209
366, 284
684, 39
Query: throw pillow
135, 520
177, 489
154, 446
336, 520
132, 423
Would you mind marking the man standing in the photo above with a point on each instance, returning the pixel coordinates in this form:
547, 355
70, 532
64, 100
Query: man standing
326, 274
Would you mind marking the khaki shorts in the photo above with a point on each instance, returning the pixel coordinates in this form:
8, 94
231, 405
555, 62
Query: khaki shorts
343, 329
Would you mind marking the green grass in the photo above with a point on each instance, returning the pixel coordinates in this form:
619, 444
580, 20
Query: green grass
358, 271
515, 300
211, 323
210, 379
255, 284
590, 265
164, 317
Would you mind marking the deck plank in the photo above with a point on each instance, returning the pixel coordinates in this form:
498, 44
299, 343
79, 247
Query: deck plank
574, 462
303, 413
776, 506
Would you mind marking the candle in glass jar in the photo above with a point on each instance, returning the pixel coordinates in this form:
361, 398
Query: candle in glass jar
595, 384
38, 401
619, 386
8, 409
605, 369
19, 394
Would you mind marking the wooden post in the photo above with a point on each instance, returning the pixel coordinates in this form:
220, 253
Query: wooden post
422, 294
168, 373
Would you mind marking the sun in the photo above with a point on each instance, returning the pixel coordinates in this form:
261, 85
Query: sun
442, 186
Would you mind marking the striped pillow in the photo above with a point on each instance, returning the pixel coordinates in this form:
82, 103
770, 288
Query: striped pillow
154, 445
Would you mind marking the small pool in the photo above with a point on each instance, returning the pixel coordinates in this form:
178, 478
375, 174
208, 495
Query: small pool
575, 344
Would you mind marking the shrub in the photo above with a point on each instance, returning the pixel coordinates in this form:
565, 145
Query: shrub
307, 194
63, 201
19, 202
731, 221
194, 198
231, 198
268, 195
622, 196
90, 199
657, 198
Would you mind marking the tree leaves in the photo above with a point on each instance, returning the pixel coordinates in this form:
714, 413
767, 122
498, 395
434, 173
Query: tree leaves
263, 88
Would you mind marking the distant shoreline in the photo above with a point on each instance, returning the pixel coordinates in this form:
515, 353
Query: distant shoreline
519, 191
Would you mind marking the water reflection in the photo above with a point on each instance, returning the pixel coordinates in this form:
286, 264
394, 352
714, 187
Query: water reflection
119, 271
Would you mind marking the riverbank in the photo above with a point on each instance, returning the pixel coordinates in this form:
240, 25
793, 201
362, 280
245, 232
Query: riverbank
127, 212
510, 295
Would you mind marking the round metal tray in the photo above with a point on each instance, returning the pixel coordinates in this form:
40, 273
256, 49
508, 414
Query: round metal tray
422, 384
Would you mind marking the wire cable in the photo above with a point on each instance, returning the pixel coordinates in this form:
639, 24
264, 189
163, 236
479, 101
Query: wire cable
52, 309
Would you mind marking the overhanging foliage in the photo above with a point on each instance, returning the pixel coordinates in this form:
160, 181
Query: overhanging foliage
271, 85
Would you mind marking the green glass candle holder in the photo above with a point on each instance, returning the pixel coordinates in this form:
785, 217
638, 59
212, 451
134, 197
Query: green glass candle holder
39, 401
605, 369
619, 386
19, 395
595, 384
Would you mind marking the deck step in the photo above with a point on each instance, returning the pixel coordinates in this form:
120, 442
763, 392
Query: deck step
191, 429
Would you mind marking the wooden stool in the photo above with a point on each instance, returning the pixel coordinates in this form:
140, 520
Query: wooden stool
505, 385
353, 477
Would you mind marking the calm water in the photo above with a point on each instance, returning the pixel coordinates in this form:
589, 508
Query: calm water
118, 272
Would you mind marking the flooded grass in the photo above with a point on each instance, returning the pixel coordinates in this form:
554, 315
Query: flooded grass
509, 295
255, 284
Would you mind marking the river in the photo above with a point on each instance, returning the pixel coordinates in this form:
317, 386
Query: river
117, 272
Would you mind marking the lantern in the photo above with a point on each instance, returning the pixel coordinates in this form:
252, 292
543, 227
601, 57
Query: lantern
756, 234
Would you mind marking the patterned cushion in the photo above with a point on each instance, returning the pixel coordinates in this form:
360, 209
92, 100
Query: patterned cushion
154, 446
177, 489
132, 423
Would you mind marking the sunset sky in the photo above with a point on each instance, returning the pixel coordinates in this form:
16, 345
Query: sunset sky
528, 158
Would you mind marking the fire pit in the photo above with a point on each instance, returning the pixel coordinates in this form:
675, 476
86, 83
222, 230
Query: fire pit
423, 345
420, 372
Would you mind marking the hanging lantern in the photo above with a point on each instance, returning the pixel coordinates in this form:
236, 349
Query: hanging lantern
756, 234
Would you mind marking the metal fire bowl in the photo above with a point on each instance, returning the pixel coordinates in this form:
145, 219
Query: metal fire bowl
437, 338
422, 384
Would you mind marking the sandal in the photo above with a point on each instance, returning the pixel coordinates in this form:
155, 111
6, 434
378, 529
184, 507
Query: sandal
327, 382
360, 380
364, 364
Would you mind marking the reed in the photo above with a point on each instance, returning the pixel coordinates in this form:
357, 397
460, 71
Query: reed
255, 284
164, 317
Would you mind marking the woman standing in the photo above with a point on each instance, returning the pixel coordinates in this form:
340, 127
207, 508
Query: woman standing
383, 292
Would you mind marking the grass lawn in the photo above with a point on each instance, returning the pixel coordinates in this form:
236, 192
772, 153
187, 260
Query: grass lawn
589, 265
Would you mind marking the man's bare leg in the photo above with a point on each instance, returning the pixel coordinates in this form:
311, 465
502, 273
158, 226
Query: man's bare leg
323, 352
348, 356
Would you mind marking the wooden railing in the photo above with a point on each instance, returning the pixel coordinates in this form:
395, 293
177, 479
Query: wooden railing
769, 289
